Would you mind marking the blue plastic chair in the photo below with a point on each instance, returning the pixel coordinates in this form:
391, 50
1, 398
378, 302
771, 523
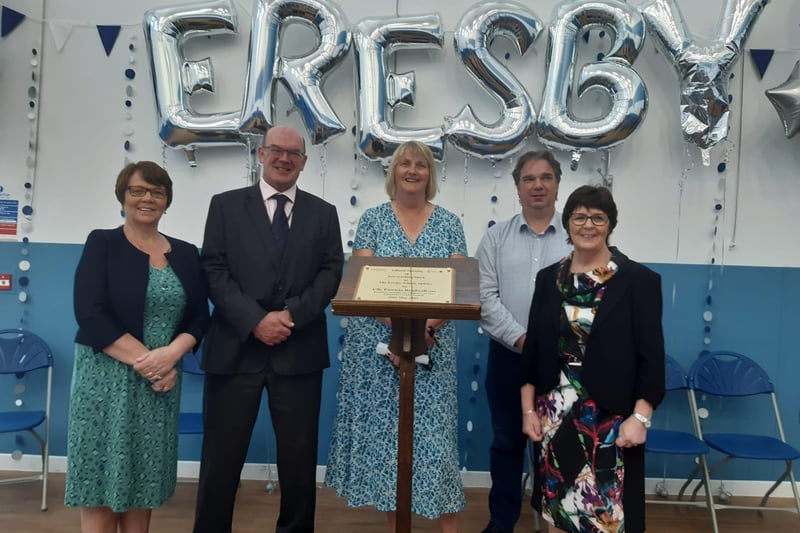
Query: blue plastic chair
191, 423
21, 352
673, 442
724, 373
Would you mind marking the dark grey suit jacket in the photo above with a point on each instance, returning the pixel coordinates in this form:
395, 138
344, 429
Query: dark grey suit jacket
247, 279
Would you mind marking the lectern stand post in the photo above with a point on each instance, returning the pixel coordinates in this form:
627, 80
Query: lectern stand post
408, 341
408, 338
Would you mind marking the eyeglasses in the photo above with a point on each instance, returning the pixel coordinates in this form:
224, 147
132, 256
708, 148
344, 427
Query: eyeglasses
277, 151
138, 192
579, 219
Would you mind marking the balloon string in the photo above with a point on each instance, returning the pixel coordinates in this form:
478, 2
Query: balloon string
732, 243
687, 166
323, 163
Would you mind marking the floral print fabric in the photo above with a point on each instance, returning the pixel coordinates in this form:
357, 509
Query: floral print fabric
362, 464
581, 470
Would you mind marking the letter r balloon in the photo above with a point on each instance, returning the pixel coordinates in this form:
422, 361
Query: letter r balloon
302, 76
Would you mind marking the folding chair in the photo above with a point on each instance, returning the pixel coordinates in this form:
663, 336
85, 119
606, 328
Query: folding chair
191, 423
21, 352
673, 442
729, 374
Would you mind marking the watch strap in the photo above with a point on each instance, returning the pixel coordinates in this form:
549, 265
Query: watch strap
643, 419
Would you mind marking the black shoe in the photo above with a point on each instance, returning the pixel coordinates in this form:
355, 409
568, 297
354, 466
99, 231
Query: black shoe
492, 528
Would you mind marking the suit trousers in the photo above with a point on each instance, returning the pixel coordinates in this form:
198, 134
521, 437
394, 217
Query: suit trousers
507, 452
230, 409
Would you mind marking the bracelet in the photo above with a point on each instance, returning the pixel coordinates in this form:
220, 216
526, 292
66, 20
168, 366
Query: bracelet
528, 412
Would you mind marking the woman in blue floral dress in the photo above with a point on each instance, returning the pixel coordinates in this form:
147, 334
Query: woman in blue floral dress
594, 359
362, 464
140, 304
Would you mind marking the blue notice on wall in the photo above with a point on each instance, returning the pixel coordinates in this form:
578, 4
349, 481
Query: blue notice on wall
9, 216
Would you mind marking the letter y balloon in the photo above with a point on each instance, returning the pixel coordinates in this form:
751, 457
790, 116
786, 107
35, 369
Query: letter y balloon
703, 66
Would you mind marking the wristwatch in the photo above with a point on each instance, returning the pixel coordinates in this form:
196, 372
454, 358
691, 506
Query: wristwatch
643, 419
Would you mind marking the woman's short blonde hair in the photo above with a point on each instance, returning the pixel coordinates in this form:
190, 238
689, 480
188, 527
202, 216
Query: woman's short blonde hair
416, 148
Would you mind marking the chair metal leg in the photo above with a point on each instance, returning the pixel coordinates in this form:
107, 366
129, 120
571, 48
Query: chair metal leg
786, 474
709, 497
794, 488
45, 472
688, 482
44, 451
777, 483
717, 466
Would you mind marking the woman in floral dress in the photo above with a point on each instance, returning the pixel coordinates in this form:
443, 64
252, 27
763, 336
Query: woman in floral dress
362, 464
594, 360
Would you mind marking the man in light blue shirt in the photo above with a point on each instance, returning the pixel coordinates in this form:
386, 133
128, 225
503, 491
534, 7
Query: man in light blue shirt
510, 255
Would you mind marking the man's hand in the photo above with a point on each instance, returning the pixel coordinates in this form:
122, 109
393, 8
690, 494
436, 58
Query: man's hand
274, 328
521, 342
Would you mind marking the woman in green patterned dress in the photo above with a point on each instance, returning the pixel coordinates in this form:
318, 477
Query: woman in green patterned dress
140, 303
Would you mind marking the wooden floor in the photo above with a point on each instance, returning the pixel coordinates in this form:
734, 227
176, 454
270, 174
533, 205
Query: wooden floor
256, 512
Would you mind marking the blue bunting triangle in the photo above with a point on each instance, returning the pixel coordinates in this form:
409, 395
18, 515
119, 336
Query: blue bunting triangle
108, 34
761, 59
11, 19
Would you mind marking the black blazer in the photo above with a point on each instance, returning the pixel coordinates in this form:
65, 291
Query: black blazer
624, 358
111, 285
247, 279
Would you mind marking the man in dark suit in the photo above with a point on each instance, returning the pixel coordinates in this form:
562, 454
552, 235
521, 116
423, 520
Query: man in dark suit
273, 258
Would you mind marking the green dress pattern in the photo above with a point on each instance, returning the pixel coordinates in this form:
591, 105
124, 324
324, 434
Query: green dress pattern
122, 443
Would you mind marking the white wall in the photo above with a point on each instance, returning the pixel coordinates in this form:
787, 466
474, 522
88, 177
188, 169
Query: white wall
81, 117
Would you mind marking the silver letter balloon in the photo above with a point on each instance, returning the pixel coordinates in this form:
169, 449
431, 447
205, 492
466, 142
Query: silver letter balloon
557, 126
302, 76
376, 89
175, 79
703, 66
473, 36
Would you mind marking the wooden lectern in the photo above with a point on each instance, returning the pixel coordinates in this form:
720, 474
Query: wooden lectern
409, 305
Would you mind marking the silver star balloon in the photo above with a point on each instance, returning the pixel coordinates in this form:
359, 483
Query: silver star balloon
786, 99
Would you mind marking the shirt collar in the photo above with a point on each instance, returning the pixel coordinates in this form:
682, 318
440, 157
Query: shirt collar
553, 227
268, 190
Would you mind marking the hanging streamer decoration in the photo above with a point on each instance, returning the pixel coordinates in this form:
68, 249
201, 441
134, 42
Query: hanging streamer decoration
127, 128
108, 36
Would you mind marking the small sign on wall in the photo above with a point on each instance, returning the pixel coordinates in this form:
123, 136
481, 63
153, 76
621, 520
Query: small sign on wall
5, 282
8, 218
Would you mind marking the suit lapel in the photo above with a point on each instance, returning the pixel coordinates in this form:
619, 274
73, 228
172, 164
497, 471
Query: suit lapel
299, 228
256, 213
